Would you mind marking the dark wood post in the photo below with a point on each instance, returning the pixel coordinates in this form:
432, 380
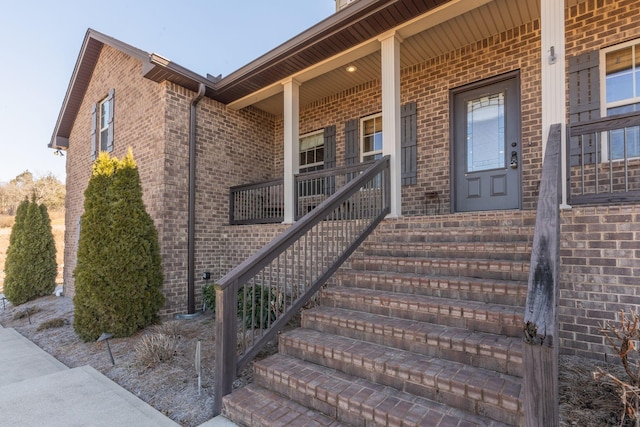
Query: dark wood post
540, 348
226, 344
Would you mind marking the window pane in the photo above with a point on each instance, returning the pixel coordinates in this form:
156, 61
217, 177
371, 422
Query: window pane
378, 124
367, 144
104, 115
485, 133
303, 159
617, 138
320, 154
636, 68
377, 141
619, 81
369, 127
103, 139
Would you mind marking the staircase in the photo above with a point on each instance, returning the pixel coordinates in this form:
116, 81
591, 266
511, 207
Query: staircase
422, 327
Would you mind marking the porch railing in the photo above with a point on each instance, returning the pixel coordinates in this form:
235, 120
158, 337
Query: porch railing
257, 299
604, 160
540, 349
312, 188
263, 202
260, 203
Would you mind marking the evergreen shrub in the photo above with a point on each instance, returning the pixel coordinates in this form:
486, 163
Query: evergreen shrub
118, 276
30, 266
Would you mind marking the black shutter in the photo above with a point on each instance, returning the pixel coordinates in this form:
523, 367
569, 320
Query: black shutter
408, 139
584, 102
351, 142
330, 147
110, 100
330, 158
94, 139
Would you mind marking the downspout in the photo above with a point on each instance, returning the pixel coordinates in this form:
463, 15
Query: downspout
191, 301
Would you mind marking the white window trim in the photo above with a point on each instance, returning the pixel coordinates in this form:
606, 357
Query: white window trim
368, 153
101, 129
604, 106
306, 135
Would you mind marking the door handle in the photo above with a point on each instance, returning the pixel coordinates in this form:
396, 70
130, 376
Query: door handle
514, 160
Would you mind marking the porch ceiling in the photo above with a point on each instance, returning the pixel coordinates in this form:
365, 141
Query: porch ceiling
444, 29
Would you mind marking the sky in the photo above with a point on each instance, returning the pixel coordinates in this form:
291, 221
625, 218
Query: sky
40, 41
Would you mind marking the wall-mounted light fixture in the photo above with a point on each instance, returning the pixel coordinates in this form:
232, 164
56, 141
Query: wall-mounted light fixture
58, 152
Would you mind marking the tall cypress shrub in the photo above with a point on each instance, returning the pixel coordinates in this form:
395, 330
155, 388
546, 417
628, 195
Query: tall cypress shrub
31, 257
118, 277
90, 275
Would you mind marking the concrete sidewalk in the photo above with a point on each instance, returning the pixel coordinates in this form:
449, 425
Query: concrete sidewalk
37, 390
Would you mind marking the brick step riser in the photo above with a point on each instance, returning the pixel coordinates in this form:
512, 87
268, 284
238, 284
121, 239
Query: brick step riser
368, 410
451, 237
437, 387
481, 354
515, 271
257, 407
503, 222
509, 324
498, 293
501, 254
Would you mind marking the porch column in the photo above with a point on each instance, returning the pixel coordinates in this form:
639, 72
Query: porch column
390, 47
291, 138
553, 78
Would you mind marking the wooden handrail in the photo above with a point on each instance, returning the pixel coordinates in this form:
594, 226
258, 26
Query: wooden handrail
604, 124
228, 362
540, 349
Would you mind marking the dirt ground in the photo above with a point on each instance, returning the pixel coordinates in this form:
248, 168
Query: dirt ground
172, 387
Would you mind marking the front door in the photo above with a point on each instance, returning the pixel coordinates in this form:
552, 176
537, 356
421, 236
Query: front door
486, 147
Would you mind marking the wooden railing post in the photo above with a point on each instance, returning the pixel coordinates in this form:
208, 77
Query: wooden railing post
226, 344
540, 349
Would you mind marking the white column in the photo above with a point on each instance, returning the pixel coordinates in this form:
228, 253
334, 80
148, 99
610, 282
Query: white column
390, 45
291, 141
553, 78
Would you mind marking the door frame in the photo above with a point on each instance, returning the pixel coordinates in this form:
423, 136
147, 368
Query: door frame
515, 74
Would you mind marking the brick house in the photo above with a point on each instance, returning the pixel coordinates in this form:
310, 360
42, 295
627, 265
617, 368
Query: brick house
460, 96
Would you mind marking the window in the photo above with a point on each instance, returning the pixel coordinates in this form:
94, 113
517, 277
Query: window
371, 141
620, 67
311, 159
102, 125
312, 152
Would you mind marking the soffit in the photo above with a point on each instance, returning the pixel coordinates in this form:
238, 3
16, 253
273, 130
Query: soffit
421, 41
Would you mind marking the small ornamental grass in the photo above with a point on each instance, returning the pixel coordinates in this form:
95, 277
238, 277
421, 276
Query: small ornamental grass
21, 314
58, 322
159, 346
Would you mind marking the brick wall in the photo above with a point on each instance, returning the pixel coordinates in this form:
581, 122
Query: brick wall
141, 102
599, 274
600, 268
233, 147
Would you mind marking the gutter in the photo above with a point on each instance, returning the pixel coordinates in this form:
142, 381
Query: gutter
191, 302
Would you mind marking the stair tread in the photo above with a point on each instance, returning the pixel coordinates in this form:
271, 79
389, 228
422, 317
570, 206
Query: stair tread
415, 302
411, 366
458, 246
257, 406
494, 345
362, 398
358, 256
486, 282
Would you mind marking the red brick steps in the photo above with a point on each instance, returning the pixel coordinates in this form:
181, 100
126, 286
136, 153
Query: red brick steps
421, 327
356, 401
473, 315
497, 352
